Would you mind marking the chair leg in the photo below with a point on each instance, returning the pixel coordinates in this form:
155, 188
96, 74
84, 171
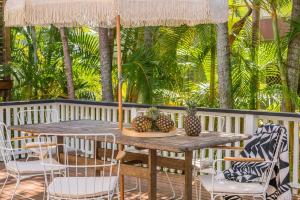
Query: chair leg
135, 187
196, 188
44, 194
118, 191
4, 184
140, 188
16, 187
200, 190
171, 185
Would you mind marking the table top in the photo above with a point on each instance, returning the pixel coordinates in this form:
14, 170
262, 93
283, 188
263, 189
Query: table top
179, 143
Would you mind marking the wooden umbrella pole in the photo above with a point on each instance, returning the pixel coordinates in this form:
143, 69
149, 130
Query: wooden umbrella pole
119, 60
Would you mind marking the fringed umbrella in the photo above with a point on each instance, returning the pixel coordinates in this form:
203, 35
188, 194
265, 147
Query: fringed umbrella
106, 13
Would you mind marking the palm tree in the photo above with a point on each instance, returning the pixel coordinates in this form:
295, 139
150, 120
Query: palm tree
212, 89
293, 61
67, 63
254, 47
281, 66
106, 41
224, 72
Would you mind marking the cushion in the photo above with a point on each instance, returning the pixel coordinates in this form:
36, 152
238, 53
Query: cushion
230, 187
81, 187
33, 167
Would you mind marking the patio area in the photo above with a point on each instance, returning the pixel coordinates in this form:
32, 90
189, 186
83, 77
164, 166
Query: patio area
34, 188
235, 123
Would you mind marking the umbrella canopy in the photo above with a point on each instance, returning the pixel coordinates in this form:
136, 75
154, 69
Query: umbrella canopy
64, 13
136, 13
14, 14
102, 13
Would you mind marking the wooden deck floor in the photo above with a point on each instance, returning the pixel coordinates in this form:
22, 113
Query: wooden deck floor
34, 188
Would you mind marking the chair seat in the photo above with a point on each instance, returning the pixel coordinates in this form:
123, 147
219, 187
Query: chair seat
45, 150
132, 149
81, 187
33, 167
203, 164
231, 187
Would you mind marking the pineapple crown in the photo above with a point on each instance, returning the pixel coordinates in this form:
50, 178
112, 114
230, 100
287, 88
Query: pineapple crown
152, 113
191, 107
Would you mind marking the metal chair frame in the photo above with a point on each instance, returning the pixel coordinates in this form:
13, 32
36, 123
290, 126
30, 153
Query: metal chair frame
9, 155
26, 117
265, 179
97, 170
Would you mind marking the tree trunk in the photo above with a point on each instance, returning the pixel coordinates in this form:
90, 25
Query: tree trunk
212, 85
106, 64
281, 66
34, 44
148, 37
67, 63
224, 72
6, 53
293, 58
254, 104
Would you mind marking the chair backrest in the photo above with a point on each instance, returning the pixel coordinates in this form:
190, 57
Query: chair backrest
40, 116
84, 177
6, 150
267, 143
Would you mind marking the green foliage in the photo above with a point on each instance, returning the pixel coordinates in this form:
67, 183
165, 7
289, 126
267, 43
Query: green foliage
176, 67
152, 113
191, 107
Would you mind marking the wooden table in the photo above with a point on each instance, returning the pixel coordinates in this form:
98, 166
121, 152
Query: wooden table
178, 143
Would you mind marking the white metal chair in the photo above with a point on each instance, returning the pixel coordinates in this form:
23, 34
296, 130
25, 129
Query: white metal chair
84, 177
16, 169
218, 186
41, 116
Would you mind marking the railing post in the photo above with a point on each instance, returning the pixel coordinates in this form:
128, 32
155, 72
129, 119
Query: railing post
250, 124
180, 120
133, 113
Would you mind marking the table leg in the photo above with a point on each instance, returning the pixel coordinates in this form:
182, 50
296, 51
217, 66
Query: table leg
188, 170
122, 179
152, 162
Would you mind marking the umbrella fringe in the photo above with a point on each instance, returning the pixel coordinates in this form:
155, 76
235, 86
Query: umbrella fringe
135, 13
102, 13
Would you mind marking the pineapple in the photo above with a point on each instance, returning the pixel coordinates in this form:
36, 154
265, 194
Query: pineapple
164, 123
192, 123
160, 121
153, 113
141, 123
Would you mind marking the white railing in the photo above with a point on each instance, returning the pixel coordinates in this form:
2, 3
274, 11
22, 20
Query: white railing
236, 121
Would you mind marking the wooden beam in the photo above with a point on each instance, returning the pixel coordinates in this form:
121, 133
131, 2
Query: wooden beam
188, 175
152, 185
171, 163
131, 170
119, 61
122, 178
